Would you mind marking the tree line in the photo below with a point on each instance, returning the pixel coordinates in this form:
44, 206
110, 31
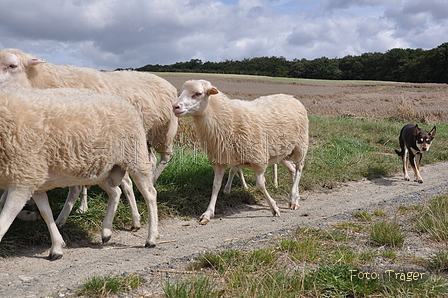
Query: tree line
399, 65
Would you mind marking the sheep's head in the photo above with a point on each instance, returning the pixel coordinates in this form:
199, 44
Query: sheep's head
14, 68
194, 98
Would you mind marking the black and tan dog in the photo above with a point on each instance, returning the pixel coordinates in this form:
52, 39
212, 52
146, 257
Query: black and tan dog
415, 141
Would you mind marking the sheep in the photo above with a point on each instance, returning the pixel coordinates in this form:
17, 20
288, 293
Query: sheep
150, 94
49, 141
253, 134
75, 190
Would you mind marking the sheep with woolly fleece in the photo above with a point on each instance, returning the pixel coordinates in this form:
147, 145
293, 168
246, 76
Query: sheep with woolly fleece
253, 134
48, 141
151, 95
75, 190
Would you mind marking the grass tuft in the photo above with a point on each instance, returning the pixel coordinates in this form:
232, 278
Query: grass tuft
103, 286
195, 286
438, 261
433, 218
363, 216
387, 233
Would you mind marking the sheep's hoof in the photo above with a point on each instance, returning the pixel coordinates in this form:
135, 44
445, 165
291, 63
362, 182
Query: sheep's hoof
135, 229
150, 245
105, 239
294, 206
54, 257
203, 221
276, 212
419, 181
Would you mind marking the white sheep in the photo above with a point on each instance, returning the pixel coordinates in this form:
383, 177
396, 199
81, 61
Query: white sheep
253, 134
151, 95
48, 141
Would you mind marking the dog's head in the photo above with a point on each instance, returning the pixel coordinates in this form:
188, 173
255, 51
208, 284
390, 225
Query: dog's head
423, 140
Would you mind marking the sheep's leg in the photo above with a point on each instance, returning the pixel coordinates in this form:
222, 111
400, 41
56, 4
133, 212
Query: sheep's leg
241, 176
291, 167
260, 180
57, 243
3, 198
114, 193
83, 206
126, 185
294, 196
217, 181
14, 201
274, 170
146, 187
232, 172
73, 194
165, 158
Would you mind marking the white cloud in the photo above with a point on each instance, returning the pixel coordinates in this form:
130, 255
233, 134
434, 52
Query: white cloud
108, 34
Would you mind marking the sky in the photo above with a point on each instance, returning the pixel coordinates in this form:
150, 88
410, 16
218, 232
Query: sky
110, 34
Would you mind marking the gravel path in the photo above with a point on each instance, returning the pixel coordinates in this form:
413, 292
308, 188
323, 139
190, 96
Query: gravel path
28, 274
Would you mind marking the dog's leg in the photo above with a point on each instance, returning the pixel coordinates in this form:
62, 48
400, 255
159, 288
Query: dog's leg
418, 177
404, 157
415, 164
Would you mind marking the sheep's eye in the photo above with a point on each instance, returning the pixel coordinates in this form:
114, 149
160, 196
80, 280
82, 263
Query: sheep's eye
198, 94
13, 66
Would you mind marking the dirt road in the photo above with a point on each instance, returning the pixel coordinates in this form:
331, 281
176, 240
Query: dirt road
28, 274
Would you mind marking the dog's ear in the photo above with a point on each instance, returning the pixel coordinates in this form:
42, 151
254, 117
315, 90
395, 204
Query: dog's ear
432, 133
416, 130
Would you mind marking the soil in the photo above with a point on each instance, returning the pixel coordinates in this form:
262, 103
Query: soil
29, 274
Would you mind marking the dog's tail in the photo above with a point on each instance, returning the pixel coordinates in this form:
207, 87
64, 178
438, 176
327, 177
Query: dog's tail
399, 153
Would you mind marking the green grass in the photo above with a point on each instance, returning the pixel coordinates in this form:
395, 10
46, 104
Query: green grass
433, 218
103, 286
438, 261
379, 213
363, 216
349, 226
389, 253
195, 286
351, 149
308, 264
387, 233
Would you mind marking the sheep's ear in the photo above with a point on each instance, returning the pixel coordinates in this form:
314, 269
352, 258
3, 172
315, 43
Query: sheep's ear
34, 61
213, 90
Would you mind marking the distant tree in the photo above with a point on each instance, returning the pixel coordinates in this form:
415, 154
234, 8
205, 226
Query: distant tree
403, 65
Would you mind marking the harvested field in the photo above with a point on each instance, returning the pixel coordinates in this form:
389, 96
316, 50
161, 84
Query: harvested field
426, 103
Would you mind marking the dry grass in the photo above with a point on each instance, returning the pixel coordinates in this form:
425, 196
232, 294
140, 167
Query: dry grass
422, 103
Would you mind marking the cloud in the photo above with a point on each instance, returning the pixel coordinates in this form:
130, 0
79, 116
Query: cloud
109, 34
422, 24
344, 4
